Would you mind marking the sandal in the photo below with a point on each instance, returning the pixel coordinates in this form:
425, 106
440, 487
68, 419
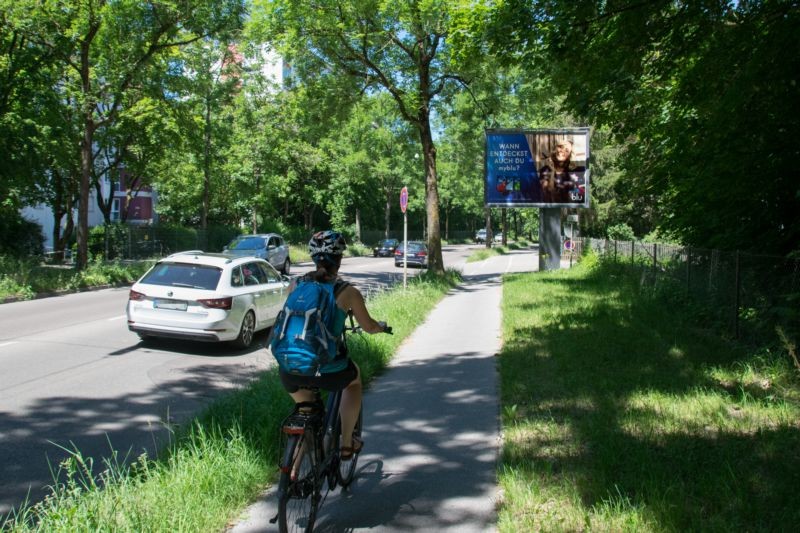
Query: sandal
346, 452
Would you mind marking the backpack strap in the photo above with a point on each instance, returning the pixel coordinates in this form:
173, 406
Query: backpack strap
338, 286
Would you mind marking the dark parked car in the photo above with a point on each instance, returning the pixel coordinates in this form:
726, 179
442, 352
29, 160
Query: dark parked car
269, 246
385, 248
417, 254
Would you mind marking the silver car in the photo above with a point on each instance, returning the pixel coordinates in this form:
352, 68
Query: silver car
207, 297
269, 246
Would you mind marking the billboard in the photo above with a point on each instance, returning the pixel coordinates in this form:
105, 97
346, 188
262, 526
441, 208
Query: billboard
537, 168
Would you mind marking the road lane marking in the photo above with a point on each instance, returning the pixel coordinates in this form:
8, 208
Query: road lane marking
9, 343
116, 318
508, 267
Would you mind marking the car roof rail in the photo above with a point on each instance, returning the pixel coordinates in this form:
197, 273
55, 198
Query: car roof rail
187, 252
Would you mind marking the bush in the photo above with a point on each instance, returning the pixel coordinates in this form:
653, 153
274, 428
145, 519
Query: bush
20, 237
621, 232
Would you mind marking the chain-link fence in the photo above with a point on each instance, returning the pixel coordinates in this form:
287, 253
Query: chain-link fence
750, 295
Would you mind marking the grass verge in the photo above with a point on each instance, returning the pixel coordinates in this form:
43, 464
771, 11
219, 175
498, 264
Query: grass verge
25, 278
224, 460
619, 415
486, 253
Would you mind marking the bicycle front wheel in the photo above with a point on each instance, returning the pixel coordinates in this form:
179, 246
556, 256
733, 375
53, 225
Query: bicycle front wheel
347, 469
298, 490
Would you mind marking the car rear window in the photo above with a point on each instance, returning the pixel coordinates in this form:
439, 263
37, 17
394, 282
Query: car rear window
184, 275
415, 247
250, 243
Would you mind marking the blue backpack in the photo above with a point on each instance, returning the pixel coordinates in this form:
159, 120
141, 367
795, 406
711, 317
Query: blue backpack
302, 339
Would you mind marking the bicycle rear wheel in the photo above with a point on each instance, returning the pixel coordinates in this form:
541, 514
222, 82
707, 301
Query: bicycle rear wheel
347, 469
298, 490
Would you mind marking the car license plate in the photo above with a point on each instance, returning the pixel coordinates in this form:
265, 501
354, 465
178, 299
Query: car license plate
174, 305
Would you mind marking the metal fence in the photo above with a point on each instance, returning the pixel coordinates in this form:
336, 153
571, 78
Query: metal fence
132, 242
750, 295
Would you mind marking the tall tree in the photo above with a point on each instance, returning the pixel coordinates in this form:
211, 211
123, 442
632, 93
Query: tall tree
702, 95
105, 47
399, 46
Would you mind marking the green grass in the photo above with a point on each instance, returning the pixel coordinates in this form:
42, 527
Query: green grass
24, 278
619, 415
486, 253
299, 253
224, 459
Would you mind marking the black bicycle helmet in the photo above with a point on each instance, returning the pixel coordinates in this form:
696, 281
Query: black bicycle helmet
327, 245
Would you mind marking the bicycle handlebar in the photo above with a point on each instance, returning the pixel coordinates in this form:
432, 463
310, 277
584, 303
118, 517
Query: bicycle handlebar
358, 329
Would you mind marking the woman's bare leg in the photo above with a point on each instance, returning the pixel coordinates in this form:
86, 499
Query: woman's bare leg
350, 408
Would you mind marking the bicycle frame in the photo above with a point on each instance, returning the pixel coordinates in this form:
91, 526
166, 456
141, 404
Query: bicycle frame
311, 456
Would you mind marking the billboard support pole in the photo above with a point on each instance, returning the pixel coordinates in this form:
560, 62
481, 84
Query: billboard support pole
549, 238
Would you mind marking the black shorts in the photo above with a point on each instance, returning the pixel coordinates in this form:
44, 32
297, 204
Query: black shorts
330, 382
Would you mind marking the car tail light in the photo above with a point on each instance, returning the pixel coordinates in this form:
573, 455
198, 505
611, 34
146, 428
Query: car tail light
422, 254
398, 252
217, 303
136, 296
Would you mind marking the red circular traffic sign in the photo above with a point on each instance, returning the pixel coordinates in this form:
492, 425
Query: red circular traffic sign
403, 199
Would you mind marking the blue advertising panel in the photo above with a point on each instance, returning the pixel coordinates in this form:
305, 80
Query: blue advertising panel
537, 168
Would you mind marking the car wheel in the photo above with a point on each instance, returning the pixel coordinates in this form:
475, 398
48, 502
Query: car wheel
286, 267
246, 332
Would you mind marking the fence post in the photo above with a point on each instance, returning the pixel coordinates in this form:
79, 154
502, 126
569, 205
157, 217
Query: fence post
655, 257
689, 271
736, 298
633, 251
615, 250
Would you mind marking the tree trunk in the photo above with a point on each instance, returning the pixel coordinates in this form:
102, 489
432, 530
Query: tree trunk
488, 217
86, 173
505, 226
387, 213
308, 217
358, 225
435, 259
206, 167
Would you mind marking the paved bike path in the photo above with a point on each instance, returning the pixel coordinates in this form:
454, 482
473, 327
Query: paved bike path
431, 424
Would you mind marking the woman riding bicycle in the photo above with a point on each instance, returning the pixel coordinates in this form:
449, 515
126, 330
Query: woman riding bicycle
326, 249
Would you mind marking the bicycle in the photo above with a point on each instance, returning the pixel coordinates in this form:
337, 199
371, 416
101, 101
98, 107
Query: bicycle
311, 456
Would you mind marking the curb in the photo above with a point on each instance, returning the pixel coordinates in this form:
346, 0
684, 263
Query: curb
41, 295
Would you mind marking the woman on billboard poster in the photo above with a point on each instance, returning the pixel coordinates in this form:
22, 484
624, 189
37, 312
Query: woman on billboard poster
561, 179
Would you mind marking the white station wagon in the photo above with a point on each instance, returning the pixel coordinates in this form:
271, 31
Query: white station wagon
206, 297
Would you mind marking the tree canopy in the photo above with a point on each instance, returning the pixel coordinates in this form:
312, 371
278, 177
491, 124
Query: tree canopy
693, 110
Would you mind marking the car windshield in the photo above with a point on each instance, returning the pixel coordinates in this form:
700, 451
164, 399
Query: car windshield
388, 243
415, 247
184, 275
247, 243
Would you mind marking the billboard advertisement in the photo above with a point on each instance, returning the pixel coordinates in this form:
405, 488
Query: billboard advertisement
537, 168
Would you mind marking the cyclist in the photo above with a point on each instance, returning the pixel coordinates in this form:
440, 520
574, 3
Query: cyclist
326, 249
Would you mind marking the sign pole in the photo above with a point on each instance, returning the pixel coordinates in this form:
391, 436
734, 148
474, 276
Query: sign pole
405, 250
403, 206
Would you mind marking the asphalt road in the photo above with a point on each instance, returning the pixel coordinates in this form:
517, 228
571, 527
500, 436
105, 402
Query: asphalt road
74, 378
